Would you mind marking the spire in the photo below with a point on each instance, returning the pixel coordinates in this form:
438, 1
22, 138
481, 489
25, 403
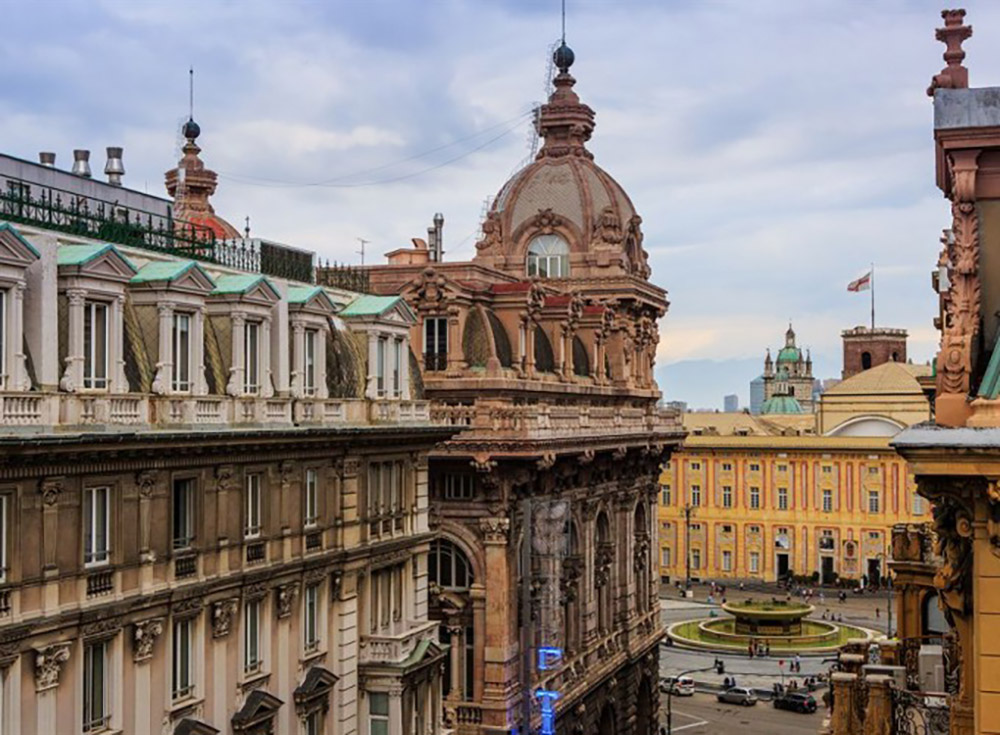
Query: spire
564, 122
790, 336
954, 75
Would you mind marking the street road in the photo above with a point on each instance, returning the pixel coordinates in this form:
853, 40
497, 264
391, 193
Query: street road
703, 715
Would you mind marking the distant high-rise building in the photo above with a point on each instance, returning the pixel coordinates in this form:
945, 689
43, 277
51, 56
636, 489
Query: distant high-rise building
679, 406
731, 403
756, 394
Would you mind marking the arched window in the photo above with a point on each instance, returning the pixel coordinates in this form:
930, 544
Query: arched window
602, 573
866, 360
545, 361
570, 588
448, 566
641, 558
581, 363
548, 257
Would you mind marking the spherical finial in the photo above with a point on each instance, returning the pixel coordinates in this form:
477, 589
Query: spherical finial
563, 57
191, 130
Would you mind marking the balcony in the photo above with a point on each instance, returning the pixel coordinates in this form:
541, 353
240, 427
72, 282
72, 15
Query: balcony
395, 649
43, 410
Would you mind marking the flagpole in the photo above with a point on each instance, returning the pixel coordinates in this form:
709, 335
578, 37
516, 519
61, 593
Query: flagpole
872, 289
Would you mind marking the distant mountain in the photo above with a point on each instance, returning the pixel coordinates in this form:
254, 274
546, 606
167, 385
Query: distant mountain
703, 383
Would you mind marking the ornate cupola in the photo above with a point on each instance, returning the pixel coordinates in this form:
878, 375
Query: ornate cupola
190, 185
565, 123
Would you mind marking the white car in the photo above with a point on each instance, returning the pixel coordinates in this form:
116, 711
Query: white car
682, 687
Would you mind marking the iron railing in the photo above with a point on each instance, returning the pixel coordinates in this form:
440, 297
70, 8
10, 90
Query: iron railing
914, 713
23, 202
347, 277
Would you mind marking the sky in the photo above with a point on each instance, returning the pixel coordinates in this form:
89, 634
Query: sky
773, 149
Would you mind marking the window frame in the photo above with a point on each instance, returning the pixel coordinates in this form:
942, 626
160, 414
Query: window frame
782, 498
727, 496
182, 690
695, 496
310, 491
380, 357
251, 358
252, 618
180, 371
309, 341
253, 488
92, 357
753, 498
874, 501
827, 500
310, 618
92, 556
435, 343
381, 718
179, 543
397, 368
94, 721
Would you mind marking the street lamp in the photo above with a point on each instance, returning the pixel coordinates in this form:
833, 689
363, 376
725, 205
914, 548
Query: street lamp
688, 511
888, 585
670, 695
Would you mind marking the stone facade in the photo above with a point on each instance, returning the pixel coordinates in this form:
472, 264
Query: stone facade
790, 373
541, 350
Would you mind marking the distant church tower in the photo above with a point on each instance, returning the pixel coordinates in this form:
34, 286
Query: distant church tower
790, 374
866, 348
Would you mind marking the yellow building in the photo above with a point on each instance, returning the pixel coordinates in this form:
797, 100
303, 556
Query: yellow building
795, 493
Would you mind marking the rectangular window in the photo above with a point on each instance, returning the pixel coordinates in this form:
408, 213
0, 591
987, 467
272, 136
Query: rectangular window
696, 495
665, 499
380, 367
254, 505
918, 505
435, 343
4, 534
782, 468
181, 377
183, 512
727, 467
397, 368
873, 501
251, 358
311, 508
696, 466
828, 501
752, 530
95, 345
314, 722
96, 687
458, 486
96, 528
754, 467
378, 713
874, 536
727, 529
782, 498
755, 498
696, 558
873, 470
183, 677
665, 557
754, 562
827, 469
309, 382
251, 637
310, 611
727, 496
727, 561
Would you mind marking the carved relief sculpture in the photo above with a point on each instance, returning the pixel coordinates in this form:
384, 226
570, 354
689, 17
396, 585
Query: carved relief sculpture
49, 662
144, 635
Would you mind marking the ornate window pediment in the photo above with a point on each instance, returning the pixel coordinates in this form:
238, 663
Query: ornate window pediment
314, 691
102, 262
14, 249
256, 716
187, 726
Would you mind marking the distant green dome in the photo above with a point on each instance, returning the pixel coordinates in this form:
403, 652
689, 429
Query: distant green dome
789, 354
781, 404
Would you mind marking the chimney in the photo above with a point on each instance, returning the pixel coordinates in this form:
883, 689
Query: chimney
114, 168
431, 244
439, 236
47, 158
81, 163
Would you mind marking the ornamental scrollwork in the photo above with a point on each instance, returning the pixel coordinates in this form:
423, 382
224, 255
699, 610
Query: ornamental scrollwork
144, 635
145, 481
51, 488
495, 530
223, 615
286, 594
491, 233
952, 518
49, 662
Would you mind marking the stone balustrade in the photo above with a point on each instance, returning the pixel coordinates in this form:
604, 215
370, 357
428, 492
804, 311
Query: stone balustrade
48, 410
394, 649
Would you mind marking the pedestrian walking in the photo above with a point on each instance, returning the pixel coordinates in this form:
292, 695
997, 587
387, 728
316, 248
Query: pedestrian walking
798, 664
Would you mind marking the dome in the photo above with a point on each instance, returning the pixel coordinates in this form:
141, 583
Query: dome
789, 354
563, 192
781, 404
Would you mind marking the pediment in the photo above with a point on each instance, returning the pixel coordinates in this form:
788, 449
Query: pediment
102, 263
318, 682
14, 249
262, 293
315, 300
259, 706
400, 313
246, 287
188, 726
175, 276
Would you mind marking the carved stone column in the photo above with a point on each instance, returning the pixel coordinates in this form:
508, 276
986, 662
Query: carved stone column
72, 378
878, 713
162, 381
116, 346
266, 384
200, 385
237, 370
50, 489
18, 373
298, 357
841, 720
500, 632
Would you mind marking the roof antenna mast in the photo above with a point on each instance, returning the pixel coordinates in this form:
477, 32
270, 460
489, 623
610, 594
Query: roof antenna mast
191, 93
564, 21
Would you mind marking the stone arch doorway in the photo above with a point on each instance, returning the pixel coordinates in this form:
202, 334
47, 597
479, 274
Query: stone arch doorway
606, 725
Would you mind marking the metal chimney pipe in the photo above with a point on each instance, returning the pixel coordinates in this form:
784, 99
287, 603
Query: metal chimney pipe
432, 244
47, 158
114, 168
81, 163
439, 235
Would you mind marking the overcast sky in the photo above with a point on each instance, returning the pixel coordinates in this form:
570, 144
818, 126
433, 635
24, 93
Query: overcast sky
773, 148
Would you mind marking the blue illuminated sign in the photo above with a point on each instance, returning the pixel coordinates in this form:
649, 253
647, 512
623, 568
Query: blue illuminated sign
548, 657
547, 703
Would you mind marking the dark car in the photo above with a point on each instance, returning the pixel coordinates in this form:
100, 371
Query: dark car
796, 701
738, 695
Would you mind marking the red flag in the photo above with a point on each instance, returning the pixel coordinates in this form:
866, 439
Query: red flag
861, 284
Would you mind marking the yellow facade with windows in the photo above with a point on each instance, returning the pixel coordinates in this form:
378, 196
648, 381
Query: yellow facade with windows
774, 495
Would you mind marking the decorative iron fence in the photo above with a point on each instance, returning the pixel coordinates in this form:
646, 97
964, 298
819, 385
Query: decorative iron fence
914, 713
347, 277
23, 202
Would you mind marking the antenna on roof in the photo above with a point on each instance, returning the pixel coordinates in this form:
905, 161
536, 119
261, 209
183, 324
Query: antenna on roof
361, 252
191, 93
564, 21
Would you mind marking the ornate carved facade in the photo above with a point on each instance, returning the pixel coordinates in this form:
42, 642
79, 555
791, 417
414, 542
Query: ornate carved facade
541, 350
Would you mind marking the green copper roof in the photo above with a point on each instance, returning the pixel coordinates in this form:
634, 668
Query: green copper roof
81, 254
166, 270
789, 354
369, 305
304, 294
239, 283
7, 227
781, 404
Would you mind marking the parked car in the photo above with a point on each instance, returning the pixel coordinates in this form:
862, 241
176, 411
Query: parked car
796, 701
738, 695
682, 687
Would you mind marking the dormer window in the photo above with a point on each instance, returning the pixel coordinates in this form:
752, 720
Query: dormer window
309, 376
397, 368
548, 257
181, 339
251, 358
95, 345
380, 367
